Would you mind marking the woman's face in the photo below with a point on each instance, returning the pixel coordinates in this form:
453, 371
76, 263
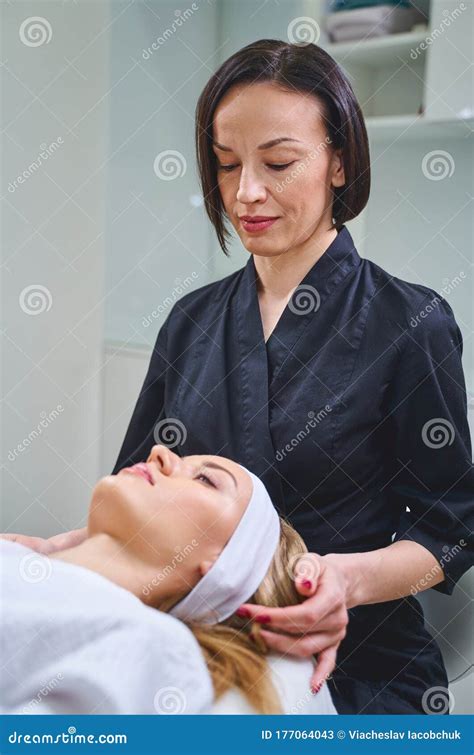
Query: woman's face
172, 505
300, 195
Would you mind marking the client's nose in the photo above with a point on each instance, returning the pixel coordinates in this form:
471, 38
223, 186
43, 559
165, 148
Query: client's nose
164, 458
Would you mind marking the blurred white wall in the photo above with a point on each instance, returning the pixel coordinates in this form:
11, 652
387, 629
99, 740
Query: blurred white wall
95, 238
158, 238
55, 77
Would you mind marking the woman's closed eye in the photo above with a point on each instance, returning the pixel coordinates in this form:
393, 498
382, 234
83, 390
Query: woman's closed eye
206, 479
280, 166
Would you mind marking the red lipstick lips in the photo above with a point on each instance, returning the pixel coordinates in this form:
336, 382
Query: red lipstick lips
252, 223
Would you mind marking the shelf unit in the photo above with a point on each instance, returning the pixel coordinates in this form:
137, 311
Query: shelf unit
418, 84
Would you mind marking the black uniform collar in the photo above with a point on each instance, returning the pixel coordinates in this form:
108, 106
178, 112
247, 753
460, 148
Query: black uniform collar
341, 255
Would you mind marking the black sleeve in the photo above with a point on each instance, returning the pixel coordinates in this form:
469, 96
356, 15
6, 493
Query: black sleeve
149, 408
432, 444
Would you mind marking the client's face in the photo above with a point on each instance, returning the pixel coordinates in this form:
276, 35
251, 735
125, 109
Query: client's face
171, 510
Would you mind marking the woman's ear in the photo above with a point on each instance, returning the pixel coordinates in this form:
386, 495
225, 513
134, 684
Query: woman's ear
337, 169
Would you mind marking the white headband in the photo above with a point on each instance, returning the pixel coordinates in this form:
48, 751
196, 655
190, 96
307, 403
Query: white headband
242, 565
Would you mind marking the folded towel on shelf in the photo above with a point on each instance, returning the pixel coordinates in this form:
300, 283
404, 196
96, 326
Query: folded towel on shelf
374, 21
341, 5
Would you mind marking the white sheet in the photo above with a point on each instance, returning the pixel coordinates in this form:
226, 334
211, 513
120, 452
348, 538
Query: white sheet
73, 642
291, 677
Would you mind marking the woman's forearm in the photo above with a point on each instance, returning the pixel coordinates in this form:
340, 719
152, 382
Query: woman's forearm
400, 569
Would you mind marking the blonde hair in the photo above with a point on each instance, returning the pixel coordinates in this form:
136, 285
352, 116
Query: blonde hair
233, 658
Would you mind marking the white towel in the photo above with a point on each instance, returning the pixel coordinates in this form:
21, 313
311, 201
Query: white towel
73, 642
291, 677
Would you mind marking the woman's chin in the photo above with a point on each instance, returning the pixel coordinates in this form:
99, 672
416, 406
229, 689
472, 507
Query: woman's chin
105, 485
104, 491
109, 507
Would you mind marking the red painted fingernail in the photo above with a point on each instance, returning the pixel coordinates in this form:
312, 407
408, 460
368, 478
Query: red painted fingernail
263, 619
307, 583
252, 638
316, 689
243, 612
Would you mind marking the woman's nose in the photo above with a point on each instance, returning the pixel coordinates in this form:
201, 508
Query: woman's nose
251, 189
164, 457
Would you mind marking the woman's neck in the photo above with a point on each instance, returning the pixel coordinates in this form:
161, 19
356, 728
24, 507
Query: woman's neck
280, 275
107, 556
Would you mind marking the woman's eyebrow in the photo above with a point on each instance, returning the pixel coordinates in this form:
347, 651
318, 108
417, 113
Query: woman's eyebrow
266, 145
218, 466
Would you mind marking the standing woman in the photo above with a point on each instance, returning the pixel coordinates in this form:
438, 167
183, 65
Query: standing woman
324, 375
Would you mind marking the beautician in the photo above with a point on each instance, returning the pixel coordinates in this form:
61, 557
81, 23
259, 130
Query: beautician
336, 383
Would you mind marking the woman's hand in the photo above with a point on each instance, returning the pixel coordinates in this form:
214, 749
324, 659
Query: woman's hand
315, 627
51, 544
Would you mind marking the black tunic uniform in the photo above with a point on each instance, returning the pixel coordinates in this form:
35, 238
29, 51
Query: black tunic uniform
353, 414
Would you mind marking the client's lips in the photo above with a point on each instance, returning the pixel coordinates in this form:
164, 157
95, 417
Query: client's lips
142, 470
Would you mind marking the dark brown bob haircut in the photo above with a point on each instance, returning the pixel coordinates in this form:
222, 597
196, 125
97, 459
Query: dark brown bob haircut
303, 68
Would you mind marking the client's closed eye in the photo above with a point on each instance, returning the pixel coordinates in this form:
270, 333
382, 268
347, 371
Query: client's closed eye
208, 480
